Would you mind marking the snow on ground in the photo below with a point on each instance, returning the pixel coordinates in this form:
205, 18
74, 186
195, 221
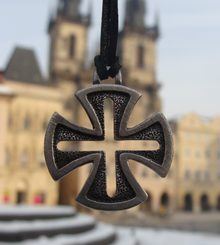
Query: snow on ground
167, 237
125, 235
36, 210
129, 236
19, 226
102, 231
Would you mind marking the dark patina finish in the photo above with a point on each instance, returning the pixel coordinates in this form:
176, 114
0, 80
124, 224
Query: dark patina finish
128, 192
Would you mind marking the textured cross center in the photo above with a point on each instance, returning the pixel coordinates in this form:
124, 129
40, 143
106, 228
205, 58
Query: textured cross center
109, 145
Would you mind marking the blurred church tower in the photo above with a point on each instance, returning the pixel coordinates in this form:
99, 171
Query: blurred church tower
68, 41
137, 48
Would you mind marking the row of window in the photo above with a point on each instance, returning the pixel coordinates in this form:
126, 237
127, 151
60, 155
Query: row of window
27, 123
24, 160
199, 175
21, 198
198, 154
199, 137
205, 204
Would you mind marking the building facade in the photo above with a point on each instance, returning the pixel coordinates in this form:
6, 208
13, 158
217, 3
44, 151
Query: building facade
197, 161
26, 105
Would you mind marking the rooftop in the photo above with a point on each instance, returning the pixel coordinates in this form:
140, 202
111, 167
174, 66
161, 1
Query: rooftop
23, 66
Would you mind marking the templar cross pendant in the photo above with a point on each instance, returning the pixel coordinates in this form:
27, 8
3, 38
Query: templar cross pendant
94, 193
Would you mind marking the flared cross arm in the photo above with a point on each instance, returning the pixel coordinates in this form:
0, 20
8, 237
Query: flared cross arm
128, 192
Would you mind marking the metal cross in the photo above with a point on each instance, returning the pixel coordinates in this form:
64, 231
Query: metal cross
109, 146
94, 193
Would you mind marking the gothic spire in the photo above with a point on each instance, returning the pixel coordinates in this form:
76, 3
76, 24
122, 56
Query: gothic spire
135, 14
69, 9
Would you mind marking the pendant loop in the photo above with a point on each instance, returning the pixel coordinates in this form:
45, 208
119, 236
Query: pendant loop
118, 78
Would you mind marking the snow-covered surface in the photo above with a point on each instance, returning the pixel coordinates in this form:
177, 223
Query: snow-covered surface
101, 232
36, 210
19, 226
165, 237
128, 236
125, 236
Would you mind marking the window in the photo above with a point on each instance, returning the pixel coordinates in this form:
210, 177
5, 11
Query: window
10, 121
39, 198
26, 123
140, 56
207, 175
198, 175
7, 157
208, 154
21, 197
24, 159
72, 45
187, 174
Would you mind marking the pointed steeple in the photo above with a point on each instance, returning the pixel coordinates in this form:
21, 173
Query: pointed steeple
135, 14
154, 31
157, 23
69, 9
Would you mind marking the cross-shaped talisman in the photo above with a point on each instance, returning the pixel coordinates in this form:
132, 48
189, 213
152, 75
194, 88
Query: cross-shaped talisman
128, 192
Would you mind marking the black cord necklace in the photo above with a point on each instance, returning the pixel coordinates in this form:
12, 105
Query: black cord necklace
94, 194
107, 63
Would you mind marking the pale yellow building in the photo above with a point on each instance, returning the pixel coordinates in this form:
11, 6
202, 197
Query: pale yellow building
5, 98
197, 160
27, 102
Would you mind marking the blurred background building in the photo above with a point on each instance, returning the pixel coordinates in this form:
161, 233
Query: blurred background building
27, 101
197, 160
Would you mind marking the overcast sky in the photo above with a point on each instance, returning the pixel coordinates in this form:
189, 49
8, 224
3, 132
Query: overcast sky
188, 51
